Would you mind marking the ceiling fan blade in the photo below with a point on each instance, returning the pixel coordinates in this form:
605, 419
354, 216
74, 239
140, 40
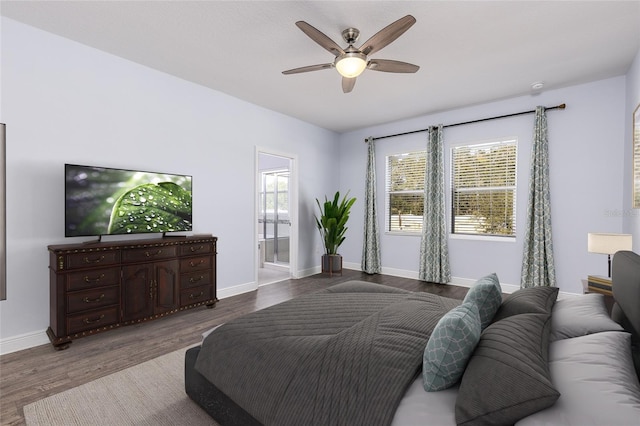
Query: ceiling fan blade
387, 65
320, 38
387, 35
347, 84
308, 68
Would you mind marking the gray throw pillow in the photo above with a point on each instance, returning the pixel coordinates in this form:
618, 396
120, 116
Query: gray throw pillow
581, 315
528, 300
507, 377
450, 346
486, 294
597, 380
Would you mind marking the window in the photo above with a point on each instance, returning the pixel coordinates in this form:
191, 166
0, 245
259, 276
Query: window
405, 192
483, 186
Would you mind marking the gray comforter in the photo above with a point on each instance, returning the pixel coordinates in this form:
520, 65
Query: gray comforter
342, 356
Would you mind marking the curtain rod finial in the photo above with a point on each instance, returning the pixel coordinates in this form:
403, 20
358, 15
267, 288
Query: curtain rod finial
562, 106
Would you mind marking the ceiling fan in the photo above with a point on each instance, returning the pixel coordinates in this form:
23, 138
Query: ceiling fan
351, 62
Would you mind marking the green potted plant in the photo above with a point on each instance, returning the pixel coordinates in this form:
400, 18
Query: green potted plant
332, 226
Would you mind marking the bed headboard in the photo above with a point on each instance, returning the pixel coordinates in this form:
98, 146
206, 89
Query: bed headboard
625, 276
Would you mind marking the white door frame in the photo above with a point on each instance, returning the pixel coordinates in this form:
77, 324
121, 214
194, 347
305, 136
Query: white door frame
293, 209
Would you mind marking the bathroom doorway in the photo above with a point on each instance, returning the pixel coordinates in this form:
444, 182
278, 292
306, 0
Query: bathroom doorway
274, 182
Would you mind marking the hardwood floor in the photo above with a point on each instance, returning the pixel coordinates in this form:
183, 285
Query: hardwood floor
32, 374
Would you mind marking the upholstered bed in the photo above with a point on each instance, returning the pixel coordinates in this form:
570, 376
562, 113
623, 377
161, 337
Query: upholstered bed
365, 354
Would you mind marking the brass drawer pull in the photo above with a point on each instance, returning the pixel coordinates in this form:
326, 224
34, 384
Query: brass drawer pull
195, 296
94, 260
194, 249
95, 280
89, 321
149, 254
87, 300
196, 279
194, 264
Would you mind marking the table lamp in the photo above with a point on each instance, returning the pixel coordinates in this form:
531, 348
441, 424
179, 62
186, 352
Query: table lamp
608, 244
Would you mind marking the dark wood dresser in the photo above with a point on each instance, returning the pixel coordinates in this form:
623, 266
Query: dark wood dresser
95, 287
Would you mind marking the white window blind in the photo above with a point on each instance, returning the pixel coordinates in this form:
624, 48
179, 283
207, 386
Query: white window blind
483, 185
405, 191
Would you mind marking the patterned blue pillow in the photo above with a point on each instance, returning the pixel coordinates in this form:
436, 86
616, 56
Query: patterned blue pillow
486, 294
450, 346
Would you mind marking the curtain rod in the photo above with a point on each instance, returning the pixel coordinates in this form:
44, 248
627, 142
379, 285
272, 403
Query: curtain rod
561, 106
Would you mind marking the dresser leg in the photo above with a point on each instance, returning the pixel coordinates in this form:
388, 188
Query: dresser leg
58, 343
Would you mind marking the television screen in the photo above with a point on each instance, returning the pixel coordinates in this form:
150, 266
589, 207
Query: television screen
106, 201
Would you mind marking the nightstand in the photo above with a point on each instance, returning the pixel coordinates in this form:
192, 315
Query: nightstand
599, 284
602, 285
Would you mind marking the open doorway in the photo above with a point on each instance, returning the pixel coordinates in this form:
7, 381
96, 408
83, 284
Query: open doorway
276, 208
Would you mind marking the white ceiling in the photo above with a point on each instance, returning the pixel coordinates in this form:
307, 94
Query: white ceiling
469, 52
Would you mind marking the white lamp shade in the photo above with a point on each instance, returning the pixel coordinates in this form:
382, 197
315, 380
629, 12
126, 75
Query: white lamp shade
609, 243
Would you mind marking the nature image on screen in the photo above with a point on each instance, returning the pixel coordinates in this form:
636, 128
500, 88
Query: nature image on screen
103, 201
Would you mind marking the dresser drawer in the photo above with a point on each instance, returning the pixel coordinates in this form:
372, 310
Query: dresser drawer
91, 299
196, 295
197, 248
92, 319
195, 264
149, 254
92, 259
195, 279
93, 278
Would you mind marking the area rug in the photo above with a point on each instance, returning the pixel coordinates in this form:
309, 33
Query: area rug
151, 393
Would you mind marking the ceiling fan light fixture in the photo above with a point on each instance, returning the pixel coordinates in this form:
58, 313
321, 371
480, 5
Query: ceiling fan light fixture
351, 64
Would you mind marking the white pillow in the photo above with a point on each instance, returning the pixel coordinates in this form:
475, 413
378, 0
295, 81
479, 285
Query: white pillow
580, 315
596, 380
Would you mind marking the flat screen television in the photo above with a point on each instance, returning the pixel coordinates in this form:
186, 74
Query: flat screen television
107, 201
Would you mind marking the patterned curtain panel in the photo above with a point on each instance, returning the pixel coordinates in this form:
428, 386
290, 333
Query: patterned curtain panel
371, 247
537, 264
434, 251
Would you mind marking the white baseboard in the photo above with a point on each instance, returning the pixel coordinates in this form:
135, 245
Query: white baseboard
506, 288
311, 271
235, 290
23, 341
469, 282
403, 273
385, 271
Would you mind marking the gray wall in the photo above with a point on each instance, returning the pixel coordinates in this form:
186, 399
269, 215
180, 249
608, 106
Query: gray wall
67, 103
630, 216
587, 151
